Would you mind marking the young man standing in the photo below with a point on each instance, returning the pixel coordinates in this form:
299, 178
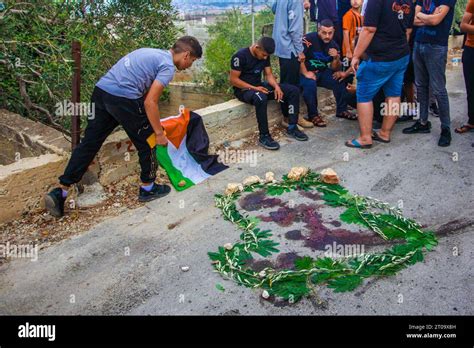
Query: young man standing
322, 60
128, 95
387, 25
351, 26
247, 66
467, 26
433, 19
287, 33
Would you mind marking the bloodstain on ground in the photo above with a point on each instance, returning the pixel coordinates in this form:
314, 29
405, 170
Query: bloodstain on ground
313, 195
258, 265
284, 217
335, 223
294, 235
283, 261
319, 233
287, 260
257, 200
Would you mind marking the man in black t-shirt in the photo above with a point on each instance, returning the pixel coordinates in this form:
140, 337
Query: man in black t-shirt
322, 60
384, 37
247, 66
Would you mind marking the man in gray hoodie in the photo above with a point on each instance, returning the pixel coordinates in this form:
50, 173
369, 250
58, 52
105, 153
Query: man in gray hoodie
288, 36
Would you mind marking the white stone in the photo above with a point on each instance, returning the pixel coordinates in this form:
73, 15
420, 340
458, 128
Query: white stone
232, 188
251, 180
296, 173
269, 177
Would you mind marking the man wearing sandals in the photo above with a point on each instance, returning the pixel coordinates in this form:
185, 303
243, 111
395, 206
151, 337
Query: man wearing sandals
384, 37
322, 60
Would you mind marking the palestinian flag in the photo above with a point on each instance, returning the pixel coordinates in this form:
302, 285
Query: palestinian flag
186, 159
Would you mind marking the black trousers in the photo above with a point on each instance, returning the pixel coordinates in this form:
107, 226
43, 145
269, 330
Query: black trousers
111, 111
290, 106
290, 71
379, 98
468, 71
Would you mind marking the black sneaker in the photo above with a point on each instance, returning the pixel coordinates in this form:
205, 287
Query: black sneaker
417, 127
267, 142
434, 109
404, 118
445, 138
157, 191
54, 202
295, 133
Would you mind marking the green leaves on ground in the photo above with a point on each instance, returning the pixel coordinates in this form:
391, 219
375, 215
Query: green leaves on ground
345, 283
342, 274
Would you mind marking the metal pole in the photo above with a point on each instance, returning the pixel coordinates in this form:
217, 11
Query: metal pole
76, 95
253, 21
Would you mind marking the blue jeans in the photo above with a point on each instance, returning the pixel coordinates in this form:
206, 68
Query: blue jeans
430, 74
323, 79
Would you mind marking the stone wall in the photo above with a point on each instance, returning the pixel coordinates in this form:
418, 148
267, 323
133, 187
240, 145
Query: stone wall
24, 182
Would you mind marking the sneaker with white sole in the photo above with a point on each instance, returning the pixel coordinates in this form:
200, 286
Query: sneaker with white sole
285, 124
295, 133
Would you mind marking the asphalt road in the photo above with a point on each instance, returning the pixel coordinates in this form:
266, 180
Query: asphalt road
131, 264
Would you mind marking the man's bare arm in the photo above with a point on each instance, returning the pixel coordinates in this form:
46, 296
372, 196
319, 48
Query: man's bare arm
466, 26
409, 31
153, 112
347, 44
435, 18
237, 82
271, 78
417, 22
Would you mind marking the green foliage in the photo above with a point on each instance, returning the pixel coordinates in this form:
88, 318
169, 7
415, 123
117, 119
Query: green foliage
230, 33
346, 283
35, 48
266, 248
292, 289
217, 62
303, 263
351, 216
458, 13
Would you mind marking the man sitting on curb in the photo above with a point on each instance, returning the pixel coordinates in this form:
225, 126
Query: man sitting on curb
322, 60
247, 66
128, 95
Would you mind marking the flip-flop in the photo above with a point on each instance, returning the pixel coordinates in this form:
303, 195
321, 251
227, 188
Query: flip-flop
376, 137
355, 144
